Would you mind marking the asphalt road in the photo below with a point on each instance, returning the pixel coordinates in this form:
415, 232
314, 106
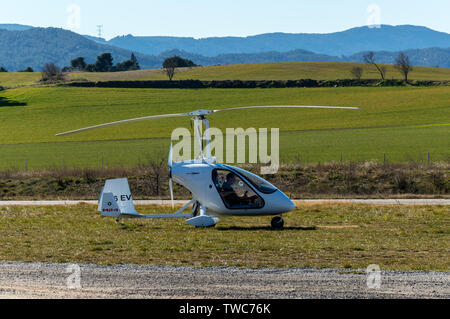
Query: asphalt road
45, 280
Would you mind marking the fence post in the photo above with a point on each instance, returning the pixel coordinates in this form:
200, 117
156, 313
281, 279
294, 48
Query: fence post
384, 158
26, 164
102, 161
63, 163
428, 158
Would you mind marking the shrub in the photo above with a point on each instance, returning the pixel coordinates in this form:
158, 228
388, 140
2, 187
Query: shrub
51, 72
28, 69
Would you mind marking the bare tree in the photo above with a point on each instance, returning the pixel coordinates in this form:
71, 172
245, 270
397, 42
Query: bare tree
169, 68
157, 167
383, 72
170, 72
403, 65
369, 58
51, 72
357, 72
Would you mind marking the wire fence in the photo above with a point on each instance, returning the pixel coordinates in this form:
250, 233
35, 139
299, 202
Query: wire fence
143, 160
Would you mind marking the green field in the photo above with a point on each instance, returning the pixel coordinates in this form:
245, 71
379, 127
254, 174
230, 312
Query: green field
271, 71
18, 79
405, 123
319, 235
259, 71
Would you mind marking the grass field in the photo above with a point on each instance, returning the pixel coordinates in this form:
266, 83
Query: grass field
271, 71
18, 79
404, 123
319, 235
260, 71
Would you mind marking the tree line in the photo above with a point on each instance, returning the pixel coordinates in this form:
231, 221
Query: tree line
28, 69
104, 63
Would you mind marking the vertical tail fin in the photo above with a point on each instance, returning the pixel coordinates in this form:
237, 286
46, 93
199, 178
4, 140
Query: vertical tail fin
119, 191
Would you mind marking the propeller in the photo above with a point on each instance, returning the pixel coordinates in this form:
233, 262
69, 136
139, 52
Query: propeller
170, 175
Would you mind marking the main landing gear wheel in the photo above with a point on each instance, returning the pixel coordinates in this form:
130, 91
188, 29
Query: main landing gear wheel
277, 222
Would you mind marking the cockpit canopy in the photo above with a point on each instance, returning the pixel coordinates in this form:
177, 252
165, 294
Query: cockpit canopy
233, 186
259, 183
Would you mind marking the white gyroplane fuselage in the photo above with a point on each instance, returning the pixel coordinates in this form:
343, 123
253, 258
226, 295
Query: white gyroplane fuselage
217, 190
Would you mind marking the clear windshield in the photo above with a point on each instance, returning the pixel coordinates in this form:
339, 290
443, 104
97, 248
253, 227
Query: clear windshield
235, 193
260, 184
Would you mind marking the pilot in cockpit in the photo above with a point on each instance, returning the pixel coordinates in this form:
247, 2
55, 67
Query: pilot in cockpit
228, 190
227, 186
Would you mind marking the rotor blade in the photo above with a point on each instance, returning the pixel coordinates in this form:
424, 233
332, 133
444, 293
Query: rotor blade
121, 122
199, 113
171, 192
287, 106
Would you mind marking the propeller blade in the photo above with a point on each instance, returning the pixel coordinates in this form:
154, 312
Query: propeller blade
170, 156
170, 174
171, 192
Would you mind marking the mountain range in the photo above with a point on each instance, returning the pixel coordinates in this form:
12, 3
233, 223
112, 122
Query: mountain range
22, 46
384, 38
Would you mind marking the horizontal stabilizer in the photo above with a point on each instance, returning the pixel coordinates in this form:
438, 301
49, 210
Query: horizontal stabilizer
178, 214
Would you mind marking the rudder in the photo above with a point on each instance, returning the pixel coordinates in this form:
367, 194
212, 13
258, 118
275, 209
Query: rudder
121, 195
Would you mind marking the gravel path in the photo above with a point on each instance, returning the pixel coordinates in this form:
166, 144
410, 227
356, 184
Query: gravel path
45, 280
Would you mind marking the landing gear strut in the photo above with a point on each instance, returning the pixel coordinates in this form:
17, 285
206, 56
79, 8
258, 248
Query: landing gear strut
277, 222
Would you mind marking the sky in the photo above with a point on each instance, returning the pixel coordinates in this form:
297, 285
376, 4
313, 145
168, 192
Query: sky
209, 18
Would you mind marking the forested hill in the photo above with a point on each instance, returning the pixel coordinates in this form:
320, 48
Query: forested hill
385, 38
37, 46
34, 47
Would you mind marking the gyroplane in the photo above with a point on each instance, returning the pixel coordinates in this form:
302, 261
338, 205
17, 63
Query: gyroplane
217, 189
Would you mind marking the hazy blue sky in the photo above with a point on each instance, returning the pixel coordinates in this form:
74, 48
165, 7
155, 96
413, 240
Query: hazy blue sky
205, 18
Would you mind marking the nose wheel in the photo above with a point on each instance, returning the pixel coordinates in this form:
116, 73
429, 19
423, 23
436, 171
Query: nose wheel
277, 222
